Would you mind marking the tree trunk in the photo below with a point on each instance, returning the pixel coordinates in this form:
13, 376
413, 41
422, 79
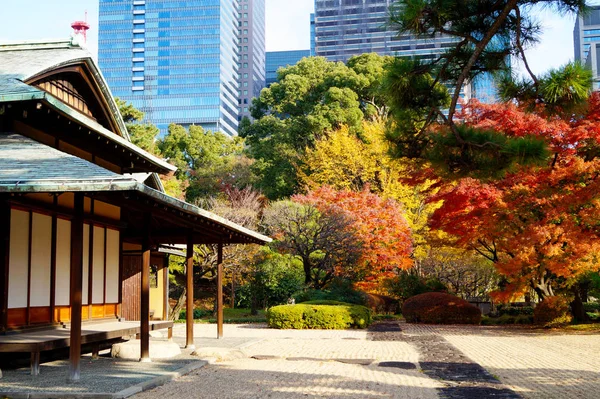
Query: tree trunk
307, 270
232, 290
174, 314
577, 305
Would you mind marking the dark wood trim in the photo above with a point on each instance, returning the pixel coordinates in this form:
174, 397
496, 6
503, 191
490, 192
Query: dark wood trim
76, 288
219, 290
29, 268
189, 299
5, 219
26, 204
145, 292
53, 264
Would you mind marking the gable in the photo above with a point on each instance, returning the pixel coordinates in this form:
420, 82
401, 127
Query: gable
74, 86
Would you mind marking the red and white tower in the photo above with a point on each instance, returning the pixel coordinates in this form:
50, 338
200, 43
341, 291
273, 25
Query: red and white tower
80, 28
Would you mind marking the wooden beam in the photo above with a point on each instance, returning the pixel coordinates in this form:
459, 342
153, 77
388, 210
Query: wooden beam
220, 290
4, 258
189, 299
145, 294
76, 287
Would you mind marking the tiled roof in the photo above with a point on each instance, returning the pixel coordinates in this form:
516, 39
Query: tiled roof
23, 159
25, 60
27, 166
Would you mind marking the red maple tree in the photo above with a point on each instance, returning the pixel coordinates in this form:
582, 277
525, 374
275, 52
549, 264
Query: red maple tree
380, 226
539, 225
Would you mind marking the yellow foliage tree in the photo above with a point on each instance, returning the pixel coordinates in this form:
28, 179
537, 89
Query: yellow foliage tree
347, 162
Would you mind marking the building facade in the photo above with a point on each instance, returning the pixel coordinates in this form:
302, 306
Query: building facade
586, 40
282, 59
344, 28
252, 52
177, 61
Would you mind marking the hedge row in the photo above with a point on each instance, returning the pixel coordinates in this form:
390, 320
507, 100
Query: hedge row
329, 315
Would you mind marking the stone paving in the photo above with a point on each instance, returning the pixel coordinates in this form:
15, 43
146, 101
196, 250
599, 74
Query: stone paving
416, 362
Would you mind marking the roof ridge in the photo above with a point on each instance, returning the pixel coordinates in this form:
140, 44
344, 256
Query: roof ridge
40, 45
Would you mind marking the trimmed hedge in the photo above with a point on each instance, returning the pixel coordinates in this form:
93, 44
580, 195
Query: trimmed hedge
332, 315
507, 319
440, 308
514, 310
553, 311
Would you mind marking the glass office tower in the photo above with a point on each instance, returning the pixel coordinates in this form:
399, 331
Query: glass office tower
252, 52
282, 59
344, 28
586, 38
177, 61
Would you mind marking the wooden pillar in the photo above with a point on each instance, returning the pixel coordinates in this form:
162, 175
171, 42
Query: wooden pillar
145, 293
76, 288
220, 290
4, 257
189, 299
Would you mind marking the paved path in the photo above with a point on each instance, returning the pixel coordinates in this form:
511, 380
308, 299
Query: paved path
420, 362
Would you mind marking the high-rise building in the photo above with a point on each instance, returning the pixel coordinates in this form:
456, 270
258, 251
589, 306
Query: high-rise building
282, 59
344, 28
312, 34
586, 39
177, 61
252, 52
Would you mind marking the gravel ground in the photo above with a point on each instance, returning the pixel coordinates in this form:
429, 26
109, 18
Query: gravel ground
308, 363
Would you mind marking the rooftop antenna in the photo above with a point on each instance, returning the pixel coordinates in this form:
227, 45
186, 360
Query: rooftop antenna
81, 28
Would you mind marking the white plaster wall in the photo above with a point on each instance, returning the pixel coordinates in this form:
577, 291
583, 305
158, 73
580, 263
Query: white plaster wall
98, 266
112, 266
63, 262
18, 259
41, 255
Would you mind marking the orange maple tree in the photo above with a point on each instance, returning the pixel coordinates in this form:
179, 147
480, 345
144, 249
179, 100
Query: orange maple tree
378, 224
539, 225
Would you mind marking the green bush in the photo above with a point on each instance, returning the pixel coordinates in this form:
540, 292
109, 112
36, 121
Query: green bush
440, 308
337, 290
553, 311
408, 284
592, 307
506, 320
514, 310
198, 314
316, 316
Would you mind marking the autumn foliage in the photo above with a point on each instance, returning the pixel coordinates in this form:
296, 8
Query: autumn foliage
379, 226
440, 308
540, 225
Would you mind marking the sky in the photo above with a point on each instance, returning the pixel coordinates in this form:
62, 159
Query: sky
288, 27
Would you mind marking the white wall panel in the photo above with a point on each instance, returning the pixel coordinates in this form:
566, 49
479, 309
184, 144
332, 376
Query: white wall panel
41, 255
112, 266
18, 259
63, 262
98, 266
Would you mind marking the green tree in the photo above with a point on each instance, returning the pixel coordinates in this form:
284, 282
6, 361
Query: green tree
142, 134
487, 33
323, 241
208, 162
309, 100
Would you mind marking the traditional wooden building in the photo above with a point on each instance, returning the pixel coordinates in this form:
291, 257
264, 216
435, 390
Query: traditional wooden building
81, 210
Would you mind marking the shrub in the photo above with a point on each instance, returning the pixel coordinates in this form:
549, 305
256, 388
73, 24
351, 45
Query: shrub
337, 290
382, 304
198, 314
592, 307
514, 310
308, 316
440, 308
553, 311
408, 284
506, 320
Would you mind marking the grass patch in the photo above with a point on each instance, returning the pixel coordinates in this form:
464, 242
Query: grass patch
383, 317
233, 316
587, 327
